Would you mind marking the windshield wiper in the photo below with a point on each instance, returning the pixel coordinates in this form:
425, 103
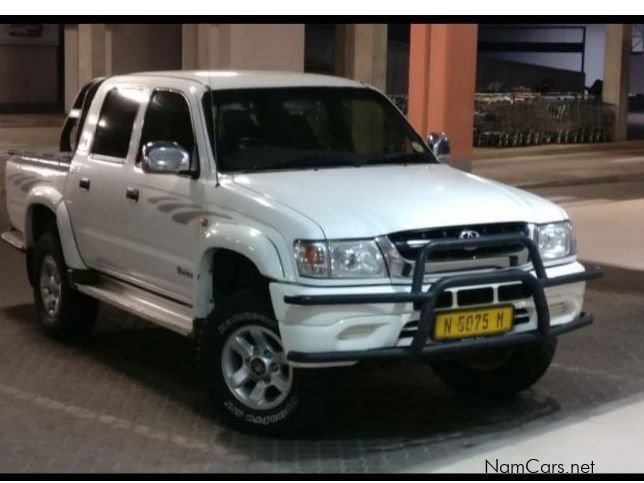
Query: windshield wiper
404, 158
310, 161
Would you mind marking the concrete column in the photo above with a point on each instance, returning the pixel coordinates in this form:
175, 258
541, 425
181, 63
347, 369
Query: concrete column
362, 53
209, 45
71, 64
109, 49
197, 43
617, 63
243, 46
442, 79
142, 47
91, 52
189, 46
265, 46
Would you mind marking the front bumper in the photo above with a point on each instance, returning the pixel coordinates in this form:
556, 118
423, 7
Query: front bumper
324, 318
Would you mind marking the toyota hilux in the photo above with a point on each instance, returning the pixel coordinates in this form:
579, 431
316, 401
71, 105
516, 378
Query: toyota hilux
290, 223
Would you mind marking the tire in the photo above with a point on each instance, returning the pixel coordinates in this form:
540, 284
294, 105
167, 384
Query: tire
290, 396
500, 373
61, 309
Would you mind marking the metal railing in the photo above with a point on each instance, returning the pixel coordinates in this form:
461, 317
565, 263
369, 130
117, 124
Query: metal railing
511, 120
528, 119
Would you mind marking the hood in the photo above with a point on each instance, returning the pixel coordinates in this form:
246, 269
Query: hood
370, 201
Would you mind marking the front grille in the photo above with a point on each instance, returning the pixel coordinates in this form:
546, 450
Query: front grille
513, 292
409, 243
475, 296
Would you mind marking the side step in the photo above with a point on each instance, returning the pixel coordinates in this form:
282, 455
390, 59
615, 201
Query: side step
14, 238
153, 308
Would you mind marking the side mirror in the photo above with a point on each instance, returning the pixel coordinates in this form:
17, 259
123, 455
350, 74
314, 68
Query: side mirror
439, 144
165, 157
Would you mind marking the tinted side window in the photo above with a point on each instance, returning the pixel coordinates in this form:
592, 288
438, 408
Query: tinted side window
114, 128
168, 119
70, 134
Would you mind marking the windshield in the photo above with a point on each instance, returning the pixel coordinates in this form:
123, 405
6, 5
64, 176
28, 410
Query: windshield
305, 128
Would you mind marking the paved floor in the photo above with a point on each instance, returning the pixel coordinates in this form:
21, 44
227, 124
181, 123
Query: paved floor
127, 398
605, 440
564, 165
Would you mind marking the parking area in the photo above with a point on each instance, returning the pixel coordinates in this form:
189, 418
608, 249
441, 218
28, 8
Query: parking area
267, 152
127, 399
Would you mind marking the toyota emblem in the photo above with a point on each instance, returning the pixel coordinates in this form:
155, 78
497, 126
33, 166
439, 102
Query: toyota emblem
469, 234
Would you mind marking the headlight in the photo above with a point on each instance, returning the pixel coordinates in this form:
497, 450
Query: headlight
340, 259
555, 240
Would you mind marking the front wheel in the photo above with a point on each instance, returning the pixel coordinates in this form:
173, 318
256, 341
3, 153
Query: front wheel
499, 373
246, 372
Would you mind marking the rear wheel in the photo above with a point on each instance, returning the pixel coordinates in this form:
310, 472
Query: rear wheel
61, 309
247, 374
499, 373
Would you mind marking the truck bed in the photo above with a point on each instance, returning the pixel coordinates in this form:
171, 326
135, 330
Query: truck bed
28, 173
56, 158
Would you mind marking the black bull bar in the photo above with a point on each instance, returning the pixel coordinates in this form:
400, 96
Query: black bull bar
426, 301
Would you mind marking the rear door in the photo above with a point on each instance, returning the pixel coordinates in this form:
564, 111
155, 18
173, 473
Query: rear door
95, 186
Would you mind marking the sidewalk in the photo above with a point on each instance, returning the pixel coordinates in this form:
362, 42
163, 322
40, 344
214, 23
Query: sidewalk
611, 439
562, 165
602, 191
31, 120
551, 149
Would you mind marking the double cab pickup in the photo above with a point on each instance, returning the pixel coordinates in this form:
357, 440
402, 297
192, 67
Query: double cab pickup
290, 223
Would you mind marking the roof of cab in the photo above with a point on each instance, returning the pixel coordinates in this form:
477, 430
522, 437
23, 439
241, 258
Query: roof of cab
239, 79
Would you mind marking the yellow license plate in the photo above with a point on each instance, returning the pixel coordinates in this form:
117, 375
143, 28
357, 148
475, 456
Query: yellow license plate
459, 324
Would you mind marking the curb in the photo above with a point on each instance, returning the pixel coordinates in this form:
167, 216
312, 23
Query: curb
581, 181
619, 278
491, 154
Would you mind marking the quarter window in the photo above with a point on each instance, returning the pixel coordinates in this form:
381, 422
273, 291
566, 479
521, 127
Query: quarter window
114, 129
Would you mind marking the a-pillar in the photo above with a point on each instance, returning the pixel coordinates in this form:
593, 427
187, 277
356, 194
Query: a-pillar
361, 53
617, 62
442, 79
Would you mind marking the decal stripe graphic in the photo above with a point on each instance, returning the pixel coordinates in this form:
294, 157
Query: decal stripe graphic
168, 204
158, 199
168, 207
186, 217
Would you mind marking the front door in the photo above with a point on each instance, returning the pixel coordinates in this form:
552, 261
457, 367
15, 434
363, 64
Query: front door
164, 210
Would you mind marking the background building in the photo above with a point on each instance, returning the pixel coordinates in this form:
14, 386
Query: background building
431, 70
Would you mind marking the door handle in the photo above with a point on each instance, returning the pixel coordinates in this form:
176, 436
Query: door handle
132, 194
83, 183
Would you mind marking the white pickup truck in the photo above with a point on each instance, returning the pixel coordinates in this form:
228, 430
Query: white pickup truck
290, 222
